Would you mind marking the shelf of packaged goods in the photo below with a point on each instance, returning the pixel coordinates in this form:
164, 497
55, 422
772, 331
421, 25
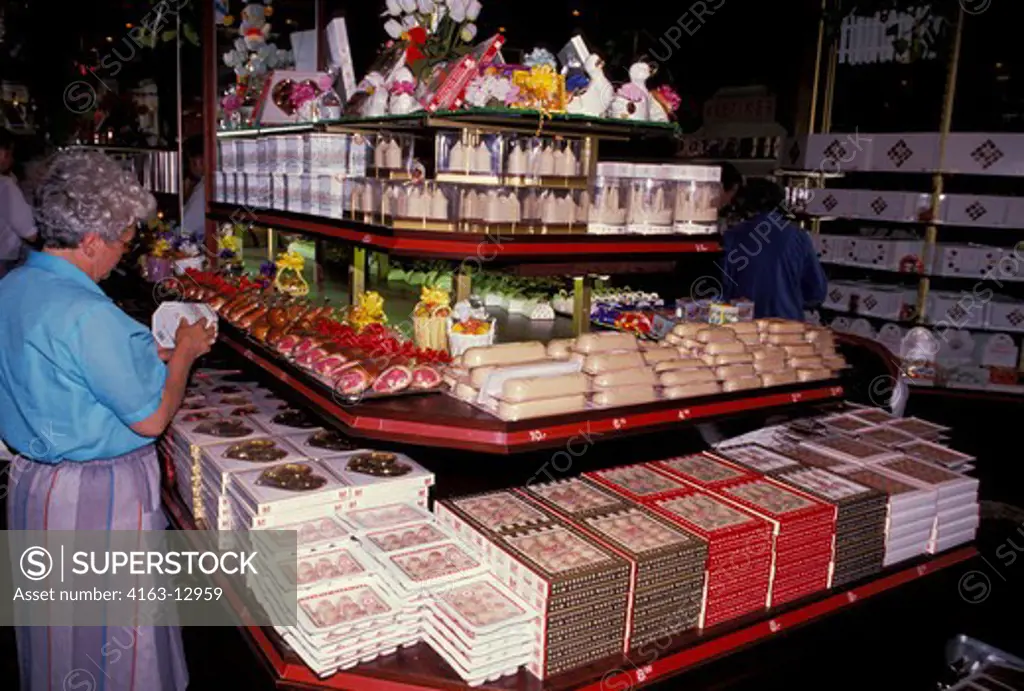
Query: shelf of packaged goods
418, 668
491, 246
438, 420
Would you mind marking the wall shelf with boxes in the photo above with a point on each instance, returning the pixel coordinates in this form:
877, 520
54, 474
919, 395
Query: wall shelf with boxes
960, 249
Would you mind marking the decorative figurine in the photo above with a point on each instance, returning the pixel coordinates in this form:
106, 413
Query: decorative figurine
599, 94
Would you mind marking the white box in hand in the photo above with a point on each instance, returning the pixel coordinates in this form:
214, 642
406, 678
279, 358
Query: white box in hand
169, 314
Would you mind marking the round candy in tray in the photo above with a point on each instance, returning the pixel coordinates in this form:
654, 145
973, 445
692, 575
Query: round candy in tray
331, 440
256, 450
232, 428
294, 418
295, 477
378, 463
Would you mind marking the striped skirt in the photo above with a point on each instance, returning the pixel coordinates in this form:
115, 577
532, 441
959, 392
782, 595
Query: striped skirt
116, 494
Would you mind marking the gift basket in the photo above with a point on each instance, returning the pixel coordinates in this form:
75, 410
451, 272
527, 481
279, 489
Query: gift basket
430, 319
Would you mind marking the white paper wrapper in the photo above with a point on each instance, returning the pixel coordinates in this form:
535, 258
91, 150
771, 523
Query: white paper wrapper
169, 314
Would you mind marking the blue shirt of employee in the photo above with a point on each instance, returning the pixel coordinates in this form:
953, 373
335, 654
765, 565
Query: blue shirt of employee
769, 260
79, 379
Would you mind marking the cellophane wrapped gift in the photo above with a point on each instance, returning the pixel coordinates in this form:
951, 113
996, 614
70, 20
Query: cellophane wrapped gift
430, 319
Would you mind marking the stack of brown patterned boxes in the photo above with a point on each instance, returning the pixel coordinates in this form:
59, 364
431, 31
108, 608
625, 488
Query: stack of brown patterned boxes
579, 587
667, 562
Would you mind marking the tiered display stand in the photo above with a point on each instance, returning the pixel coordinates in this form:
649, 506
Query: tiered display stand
436, 423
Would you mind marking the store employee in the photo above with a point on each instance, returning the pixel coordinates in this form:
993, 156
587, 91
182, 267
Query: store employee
768, 259
84, 392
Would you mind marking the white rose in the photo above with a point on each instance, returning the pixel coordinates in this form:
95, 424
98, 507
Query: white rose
473, 10
393, 28
468, 32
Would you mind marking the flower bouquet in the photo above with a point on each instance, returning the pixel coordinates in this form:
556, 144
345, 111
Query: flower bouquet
159, 266
430, 319
368, 310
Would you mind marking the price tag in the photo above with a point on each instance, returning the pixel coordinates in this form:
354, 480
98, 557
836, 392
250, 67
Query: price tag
922, 569
702, 247
249, 355
619, 422
851, 596
796, 397
285, 378
684, 414
837, 391
774, 626
537, 435
643, 673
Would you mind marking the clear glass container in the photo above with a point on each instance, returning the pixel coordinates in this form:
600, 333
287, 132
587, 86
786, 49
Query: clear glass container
543, 157
554, 210
327, 152
360, 155
363, 199
286, 153
258, 190
278, 191
429, 205
649, 210
392, 152
608, 198
697, 192
468, 153
227, 156
328, 195
488, 205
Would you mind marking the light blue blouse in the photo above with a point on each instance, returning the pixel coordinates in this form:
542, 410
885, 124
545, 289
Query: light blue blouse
75, 371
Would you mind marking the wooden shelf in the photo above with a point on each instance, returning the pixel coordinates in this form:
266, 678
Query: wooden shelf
438, 420
425, 244
418, 668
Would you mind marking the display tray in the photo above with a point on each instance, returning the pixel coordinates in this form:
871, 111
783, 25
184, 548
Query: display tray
425, 244
244, 339
418, 668
447, 422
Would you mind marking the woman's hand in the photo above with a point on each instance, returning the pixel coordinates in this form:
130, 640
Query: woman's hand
165, 354
194, 339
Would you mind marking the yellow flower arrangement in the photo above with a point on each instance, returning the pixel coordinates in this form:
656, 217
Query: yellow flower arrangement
369, 309
161, 248
289, 277
541, 88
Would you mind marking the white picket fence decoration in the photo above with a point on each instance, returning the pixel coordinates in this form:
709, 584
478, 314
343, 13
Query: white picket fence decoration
863, 40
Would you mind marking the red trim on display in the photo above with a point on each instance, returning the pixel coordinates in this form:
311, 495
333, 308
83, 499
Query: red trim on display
617, 421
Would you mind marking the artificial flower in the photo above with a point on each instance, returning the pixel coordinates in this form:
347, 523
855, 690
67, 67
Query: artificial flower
231, 103
667, 97
476, 93
408, 5
409, 21
302, 93
403, 87
513, 95
468, 32
325, 82
393, 28
473, 10
540, 56
394, 8
425, 6
457, 9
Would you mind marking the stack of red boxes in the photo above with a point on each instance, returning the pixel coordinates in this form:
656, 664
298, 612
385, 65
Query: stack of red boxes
739, 543
803, 528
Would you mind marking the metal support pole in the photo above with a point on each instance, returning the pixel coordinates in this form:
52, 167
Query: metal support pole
932, 231
581, 289
357, 274
817, 69
210, 101
463, 284
182, 163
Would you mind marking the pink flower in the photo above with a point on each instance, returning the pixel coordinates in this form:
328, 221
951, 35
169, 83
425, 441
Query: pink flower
325, 82
231, 103
668, 97
403, 88
301, 93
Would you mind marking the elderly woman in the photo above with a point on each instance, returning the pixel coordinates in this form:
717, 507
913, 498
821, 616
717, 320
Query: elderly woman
84, 391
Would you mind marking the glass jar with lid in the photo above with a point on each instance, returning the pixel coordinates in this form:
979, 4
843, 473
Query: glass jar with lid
649, 210
608, 198
698, 189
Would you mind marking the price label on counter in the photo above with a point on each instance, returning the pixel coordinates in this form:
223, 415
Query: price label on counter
537, 435
619, 422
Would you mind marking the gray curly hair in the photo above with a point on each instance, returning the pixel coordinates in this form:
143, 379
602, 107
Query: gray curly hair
85, 192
